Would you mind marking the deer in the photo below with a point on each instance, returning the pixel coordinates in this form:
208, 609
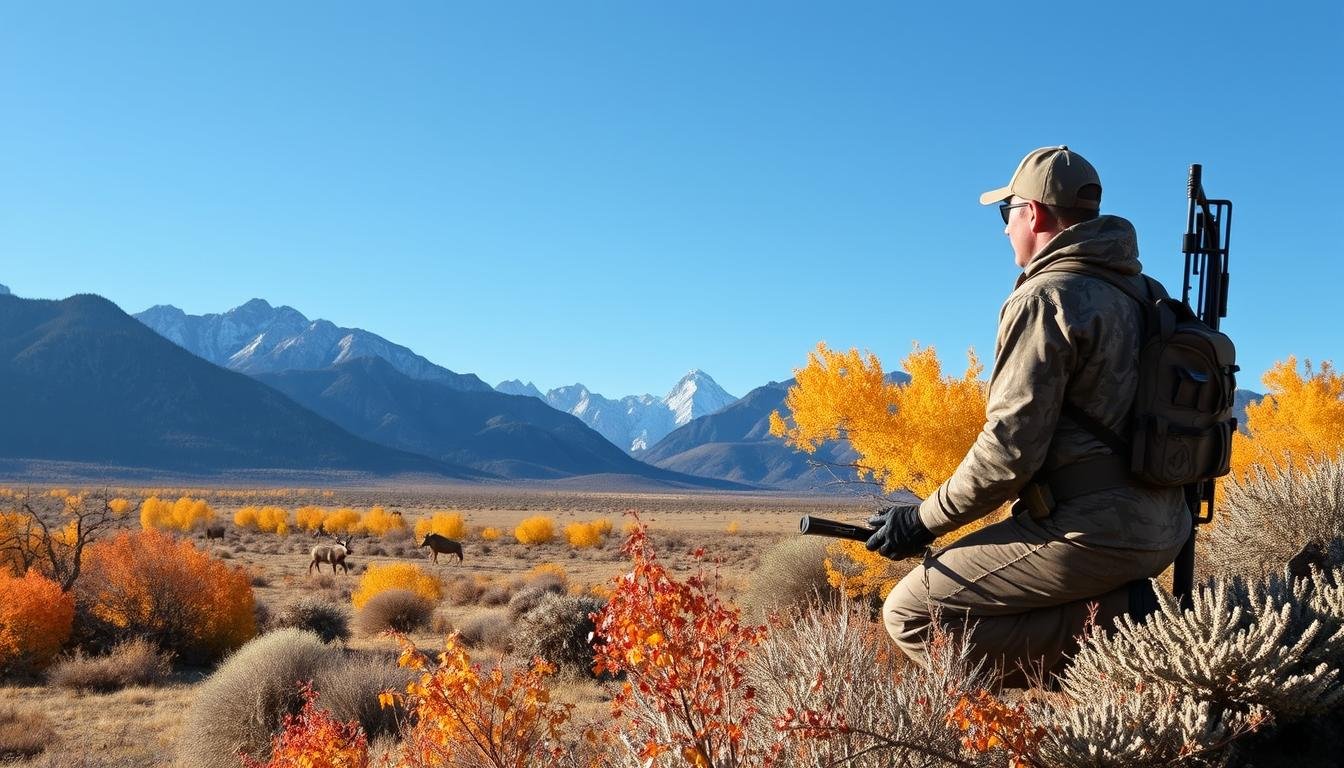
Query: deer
442, 545
334, 554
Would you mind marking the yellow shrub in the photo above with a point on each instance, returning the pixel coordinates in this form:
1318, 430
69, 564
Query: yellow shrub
185, 514
246, 517
408, 576
584, 535
379, 522
547, 569
602, 525
449, 524
489, 534
343, 520
535, 530
733, 528
119, 506
309, 518
1300, 419
35, 620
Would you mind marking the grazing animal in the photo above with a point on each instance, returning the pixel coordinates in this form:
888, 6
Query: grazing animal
214, 532
334, 554
442, 545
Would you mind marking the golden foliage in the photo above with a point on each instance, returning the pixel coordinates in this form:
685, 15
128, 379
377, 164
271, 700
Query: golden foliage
908, 436
489, 534
267, 519
36, 618
151, 585
463, 715
1300, 419
379, 522
448, 524
343, 520
733, 528
585, 535
184, 515
535, 530
408, 576
546, 570
309, 518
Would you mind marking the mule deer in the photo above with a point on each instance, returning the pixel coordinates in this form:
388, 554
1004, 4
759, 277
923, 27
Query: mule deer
442, 545
333, 554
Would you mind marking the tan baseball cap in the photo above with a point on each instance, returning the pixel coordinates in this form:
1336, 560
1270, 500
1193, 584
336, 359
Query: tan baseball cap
1051, 175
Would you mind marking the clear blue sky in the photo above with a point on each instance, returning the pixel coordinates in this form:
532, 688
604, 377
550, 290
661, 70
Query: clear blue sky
617, 192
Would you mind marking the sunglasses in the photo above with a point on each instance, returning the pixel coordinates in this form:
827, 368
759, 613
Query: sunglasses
1006, 208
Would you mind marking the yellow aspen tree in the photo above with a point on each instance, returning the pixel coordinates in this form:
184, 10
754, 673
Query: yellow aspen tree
907, 436
1300, 418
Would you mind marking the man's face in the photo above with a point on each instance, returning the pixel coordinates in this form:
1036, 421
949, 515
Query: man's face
1018, 230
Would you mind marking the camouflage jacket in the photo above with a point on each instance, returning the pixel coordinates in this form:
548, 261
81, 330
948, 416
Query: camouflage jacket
1062, 336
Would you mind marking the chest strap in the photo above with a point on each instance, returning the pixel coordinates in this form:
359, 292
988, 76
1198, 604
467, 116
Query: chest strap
1047, 490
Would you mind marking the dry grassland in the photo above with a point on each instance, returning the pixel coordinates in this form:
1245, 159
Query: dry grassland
140, 726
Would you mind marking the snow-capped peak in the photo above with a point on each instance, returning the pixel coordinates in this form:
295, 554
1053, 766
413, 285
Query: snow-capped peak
696, 395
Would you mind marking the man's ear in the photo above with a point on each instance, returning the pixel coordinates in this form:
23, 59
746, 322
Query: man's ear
1041, 220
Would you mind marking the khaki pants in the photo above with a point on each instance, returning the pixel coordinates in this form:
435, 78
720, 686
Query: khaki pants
1023, 594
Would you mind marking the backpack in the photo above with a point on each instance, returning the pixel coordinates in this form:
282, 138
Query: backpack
1181, 422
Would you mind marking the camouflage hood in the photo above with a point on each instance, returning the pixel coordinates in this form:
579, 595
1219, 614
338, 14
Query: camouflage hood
1107, 241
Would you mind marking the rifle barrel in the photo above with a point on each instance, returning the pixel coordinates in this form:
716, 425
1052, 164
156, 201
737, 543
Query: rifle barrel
820, 526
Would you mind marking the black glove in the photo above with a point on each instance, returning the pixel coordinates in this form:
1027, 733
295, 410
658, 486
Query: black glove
900, 533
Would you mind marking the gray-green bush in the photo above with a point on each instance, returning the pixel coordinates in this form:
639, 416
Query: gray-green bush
131, 662
326, 618
242, 704
400, 610
1265, 520
557, 629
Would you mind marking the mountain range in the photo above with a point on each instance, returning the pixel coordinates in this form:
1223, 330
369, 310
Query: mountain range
257, 338
82, 381
634, 422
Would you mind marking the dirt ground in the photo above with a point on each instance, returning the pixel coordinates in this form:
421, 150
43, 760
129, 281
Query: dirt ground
140, 726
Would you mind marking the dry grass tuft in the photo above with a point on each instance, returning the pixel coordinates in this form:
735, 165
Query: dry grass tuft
791, 573
489, 629
1265, 520
129, 663
23, 734
326, 618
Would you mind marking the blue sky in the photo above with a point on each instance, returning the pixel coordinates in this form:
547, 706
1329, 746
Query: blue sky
617, 192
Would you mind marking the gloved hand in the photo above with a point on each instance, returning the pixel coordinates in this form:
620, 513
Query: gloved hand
900, 533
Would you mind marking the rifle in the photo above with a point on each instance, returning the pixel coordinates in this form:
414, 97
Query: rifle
820, 526
1208, 231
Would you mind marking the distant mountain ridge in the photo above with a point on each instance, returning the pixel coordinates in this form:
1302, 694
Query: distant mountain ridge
256, 338
82, 381
4, 290
635, 422
507, 435
735, 444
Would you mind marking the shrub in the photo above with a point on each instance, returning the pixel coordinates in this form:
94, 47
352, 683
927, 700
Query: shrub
535, 530
350, 686
36, 619
449, 524
23, 734
407, 576
790, 573
379, 522
1268, 517
558, 629
343, 520
829, 665
586, 535
149, 585
498, 592
314, 738
309, 518
132, 662
548, 573
488, 629
461, 589
496, 718
327, 619
267, 519
400, 610
243, 703
490, 534
531, 596
185, 514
